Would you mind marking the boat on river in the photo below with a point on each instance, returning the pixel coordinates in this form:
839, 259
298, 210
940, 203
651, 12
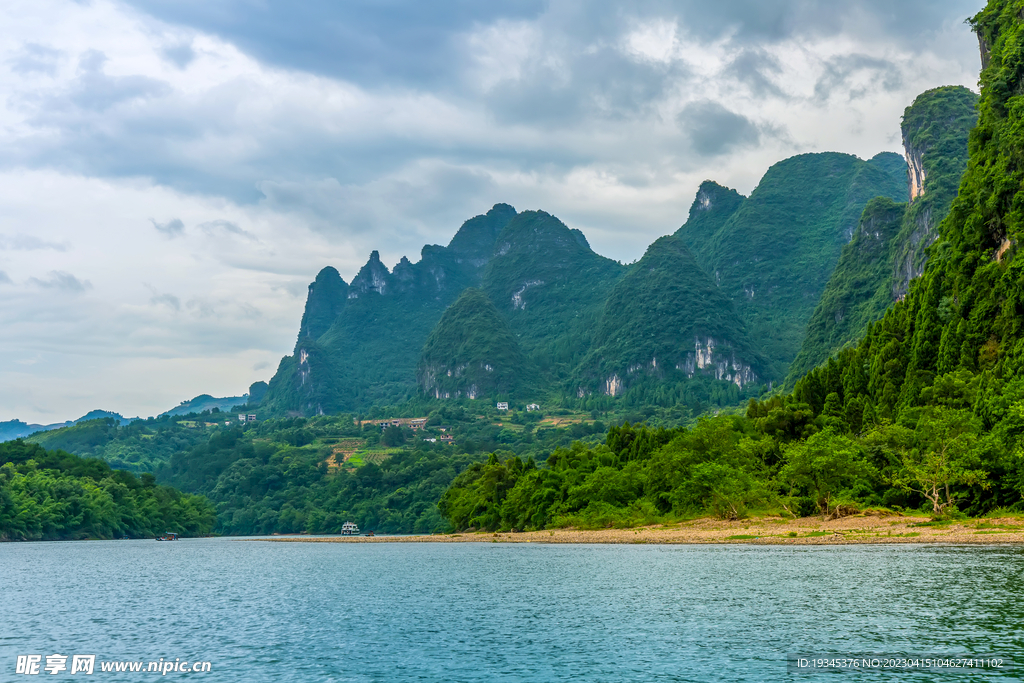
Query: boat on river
349, 529
168, 536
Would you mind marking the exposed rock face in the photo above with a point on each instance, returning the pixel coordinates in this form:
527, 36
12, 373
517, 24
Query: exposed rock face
909, 262
723, 366
915, 168
373, 277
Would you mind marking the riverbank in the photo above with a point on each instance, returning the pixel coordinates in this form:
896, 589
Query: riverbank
858, 529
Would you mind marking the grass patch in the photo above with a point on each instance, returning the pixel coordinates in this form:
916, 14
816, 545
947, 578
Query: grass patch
739, 537
813, 534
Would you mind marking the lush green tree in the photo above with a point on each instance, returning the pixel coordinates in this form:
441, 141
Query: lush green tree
944, 456
825, 467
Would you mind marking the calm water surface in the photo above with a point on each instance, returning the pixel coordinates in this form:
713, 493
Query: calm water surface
495, 612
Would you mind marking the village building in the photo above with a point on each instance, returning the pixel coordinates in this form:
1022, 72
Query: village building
502, 406
533, 406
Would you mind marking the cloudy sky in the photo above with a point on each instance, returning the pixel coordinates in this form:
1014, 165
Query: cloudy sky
175, 172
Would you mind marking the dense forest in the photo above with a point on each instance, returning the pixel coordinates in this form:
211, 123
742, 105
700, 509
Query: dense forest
53, 495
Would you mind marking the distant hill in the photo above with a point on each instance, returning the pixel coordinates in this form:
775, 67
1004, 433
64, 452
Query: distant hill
204, 402
16, 429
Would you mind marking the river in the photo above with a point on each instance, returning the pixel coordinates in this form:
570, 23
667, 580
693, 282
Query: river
260, 611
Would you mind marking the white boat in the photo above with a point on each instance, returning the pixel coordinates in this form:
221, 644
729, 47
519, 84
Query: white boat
349, 529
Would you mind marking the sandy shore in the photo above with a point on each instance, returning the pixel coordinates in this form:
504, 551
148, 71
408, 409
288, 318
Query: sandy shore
768, 530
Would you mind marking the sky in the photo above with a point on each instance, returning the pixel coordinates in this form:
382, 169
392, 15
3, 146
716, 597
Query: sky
176, 172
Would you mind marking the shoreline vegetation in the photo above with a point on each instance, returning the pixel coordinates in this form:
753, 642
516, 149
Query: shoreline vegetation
851, 530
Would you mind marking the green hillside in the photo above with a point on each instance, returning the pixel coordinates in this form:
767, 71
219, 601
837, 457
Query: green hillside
664, 323
859, 290
888, 249
551, 287
53, 495
774, 253
472, 352
711, 208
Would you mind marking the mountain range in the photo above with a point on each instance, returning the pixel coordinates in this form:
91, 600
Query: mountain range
519, 306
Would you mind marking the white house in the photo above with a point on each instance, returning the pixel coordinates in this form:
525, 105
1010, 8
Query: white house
503, 406
532, 407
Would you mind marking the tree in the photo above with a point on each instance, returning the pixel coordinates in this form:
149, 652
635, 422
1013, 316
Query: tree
393, 436
824, 465
945, 456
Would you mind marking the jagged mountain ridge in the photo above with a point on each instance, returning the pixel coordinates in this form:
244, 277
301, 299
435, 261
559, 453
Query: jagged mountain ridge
773, 252
889, 247
745, 273
368, 351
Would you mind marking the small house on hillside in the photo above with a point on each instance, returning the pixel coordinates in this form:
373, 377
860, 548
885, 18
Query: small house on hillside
533, 406
502, 406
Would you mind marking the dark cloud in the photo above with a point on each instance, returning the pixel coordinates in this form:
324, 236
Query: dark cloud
58, 279
222, 227
171, 229
95, 90
365, 41
35, 59
20, 242
754, 67
841, 70
904, 22
713, 129
412, 42
168, 300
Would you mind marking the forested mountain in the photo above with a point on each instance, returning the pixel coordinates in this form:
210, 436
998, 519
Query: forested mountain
665, 323
551, 286
359, 343
772, 253
472, 352
888, 248
721, 305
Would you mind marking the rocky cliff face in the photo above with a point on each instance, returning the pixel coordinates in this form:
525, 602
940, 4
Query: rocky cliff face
935, 129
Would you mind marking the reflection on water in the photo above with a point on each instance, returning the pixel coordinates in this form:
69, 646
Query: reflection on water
496, 612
